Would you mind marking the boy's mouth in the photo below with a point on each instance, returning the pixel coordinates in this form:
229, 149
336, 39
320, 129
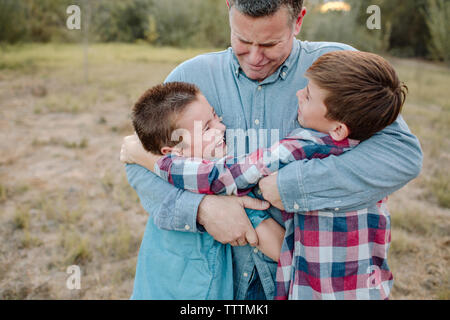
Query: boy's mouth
221, 142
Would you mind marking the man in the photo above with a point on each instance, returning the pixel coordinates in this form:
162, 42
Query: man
252, 86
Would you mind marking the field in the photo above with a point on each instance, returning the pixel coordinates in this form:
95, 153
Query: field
64, 198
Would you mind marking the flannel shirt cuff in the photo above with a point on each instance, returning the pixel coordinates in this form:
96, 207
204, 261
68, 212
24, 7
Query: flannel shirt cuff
292, 189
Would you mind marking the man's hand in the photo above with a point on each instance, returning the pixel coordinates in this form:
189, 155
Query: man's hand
269, 190
224, 218
132, 151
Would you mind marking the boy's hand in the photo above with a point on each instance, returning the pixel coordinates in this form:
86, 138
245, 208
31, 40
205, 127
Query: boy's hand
132, 151
131, 147
269, 189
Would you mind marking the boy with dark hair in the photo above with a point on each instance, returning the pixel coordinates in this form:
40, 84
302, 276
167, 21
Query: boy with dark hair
164, 118
325, 255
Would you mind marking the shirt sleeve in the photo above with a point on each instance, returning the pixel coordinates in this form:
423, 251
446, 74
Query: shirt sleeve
366, 174
170, 207
236, 176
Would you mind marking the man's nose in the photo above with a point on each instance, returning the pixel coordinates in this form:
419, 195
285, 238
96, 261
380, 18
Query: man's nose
255, 55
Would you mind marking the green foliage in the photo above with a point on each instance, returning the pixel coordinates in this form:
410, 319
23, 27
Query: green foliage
408, 28
438, 22
194, 23
123, 21
11, 11
344, 27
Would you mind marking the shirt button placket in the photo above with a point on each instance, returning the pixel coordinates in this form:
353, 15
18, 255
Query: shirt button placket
259, 103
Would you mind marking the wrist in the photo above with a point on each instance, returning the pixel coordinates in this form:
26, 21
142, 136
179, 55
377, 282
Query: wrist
202, 209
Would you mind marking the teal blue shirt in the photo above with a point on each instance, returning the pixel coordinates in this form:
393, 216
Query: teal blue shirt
366, 174
181, 265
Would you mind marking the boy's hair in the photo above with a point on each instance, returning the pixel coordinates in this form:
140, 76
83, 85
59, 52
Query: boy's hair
363, 90
155, 114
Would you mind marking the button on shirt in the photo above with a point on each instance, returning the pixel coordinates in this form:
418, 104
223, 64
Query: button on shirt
267, 112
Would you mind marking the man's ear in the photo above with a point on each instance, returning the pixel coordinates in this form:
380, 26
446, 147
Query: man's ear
299, 22
340, 132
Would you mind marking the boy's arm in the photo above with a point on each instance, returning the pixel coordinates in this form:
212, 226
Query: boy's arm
236, 176
270, 236
376, 168
132, 151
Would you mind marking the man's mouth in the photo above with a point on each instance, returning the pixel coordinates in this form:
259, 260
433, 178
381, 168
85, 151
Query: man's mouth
256, 68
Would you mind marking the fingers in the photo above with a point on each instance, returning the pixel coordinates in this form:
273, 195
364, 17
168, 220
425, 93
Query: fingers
123, 155
242, 241
253, 203
252, 237
127, 142
239, 242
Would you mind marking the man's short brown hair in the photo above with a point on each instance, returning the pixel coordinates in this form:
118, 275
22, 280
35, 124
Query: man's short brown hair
155, 114
264, 8
363, 90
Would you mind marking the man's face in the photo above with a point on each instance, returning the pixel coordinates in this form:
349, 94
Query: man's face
262, 44
203, 132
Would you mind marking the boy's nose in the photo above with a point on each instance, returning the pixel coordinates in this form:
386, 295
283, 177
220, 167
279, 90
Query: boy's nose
221, 127
300, 94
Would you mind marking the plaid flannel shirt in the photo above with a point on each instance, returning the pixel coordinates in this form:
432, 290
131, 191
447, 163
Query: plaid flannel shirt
325, 255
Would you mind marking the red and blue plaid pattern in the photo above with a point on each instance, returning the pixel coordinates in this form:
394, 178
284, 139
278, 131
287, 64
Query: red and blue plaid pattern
325, 255
329, 255
238, 175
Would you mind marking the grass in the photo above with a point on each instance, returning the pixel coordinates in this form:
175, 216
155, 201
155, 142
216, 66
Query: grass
34, 57
65, 199
21, 218
78, 248
439, 187
82, 144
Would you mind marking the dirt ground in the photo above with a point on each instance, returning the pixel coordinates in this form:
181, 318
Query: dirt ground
64, 198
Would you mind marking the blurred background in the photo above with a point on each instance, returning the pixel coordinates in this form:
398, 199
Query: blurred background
65, 100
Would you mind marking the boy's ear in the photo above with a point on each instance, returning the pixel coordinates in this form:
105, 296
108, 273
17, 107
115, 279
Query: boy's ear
174, 150
167, 150
340, 132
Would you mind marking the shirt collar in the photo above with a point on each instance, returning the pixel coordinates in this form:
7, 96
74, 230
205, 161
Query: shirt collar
281, 72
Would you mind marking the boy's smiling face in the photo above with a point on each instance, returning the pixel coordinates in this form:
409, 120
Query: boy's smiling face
203, 132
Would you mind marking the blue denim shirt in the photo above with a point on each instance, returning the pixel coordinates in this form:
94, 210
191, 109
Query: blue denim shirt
181, 265
376, 168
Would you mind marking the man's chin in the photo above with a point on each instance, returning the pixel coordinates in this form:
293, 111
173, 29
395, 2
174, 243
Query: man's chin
259, 75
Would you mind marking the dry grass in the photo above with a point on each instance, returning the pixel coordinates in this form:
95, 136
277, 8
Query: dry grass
64, 198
